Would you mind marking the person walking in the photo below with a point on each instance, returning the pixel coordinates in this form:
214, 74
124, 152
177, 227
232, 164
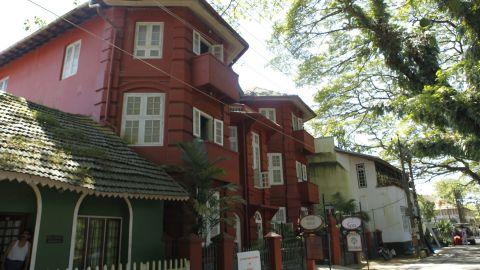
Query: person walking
17, 256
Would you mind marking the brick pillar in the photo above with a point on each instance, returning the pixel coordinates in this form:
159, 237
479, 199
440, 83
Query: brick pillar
275, 245
190, 247
335, 241
225, 248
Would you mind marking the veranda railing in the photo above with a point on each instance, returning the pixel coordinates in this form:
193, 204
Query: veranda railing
172, 264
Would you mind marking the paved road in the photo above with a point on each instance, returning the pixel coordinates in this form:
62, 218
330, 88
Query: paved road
449, 258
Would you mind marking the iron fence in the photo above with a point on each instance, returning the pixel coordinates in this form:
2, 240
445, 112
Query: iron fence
209, 257
293, 254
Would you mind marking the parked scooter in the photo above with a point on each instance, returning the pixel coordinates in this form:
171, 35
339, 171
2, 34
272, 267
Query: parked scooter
385, 253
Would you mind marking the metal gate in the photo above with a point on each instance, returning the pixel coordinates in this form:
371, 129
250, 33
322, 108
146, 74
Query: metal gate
293, 254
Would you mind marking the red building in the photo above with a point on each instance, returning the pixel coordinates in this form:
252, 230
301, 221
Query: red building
159, 73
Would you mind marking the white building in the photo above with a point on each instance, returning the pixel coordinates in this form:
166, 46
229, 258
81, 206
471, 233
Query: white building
373, 182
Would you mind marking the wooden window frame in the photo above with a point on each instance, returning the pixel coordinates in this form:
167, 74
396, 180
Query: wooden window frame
143, 117
271, 168
148, 47
217, 50
70, 65
361, 172
233, 139
266, 112
104, 232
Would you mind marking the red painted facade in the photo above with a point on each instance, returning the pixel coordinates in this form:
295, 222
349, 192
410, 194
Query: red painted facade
188, 80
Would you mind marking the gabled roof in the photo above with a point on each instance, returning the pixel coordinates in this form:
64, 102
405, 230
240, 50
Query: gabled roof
83, 12
73, 152
77, 16
261, 94
368, 157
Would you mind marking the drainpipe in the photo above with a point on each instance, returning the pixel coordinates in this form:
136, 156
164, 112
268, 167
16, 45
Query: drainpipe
98, 7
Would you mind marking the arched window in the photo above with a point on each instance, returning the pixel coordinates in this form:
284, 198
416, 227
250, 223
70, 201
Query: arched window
259, 223
238, 232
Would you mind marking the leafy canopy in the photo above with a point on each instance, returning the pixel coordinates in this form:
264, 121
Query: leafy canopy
385, 68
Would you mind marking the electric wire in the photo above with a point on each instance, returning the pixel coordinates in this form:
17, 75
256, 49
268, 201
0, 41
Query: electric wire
209, 39
161, 70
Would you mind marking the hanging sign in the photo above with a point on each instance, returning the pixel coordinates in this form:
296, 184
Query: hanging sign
354, 241
249, 260
311, 222
351, 223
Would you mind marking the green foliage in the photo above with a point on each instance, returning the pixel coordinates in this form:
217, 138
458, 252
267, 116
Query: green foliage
199, 181
427, 208
385, 68
451, 190
344, 208
34, 23
445, 228
45, 119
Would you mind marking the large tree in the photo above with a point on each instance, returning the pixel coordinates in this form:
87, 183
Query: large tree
387, 68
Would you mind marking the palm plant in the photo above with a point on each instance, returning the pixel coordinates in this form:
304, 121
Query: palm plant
347, 207
207, 207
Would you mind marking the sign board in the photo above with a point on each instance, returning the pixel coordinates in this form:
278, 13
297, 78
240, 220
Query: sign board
249, 260
354, 241
314, 247
54, 239
351, 223
311, 222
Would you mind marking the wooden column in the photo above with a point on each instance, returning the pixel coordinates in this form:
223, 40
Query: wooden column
335, 241
225, 246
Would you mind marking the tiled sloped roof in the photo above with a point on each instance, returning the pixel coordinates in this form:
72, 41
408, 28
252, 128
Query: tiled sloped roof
74, 152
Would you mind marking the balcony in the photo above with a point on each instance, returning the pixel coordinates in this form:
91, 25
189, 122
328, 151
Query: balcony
230, 163
306, 139
208, 73
308, 192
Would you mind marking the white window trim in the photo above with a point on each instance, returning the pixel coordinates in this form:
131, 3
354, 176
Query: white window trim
197, 129
68, 66
265, 112
214, 49
233, 138
142, 117
4, 84
278, 220
148, 47
218, 138
304, 173
271, 168
357, 170
258, 166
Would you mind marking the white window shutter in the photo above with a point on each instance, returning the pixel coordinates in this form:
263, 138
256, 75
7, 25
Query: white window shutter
300, 123
270, 167
196, 42
294, 122
217, 51
196, 122
299, 171
233, 138
218, 127
304, 172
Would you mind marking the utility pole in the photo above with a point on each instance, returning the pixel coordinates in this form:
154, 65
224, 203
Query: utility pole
406, 187
415, 199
